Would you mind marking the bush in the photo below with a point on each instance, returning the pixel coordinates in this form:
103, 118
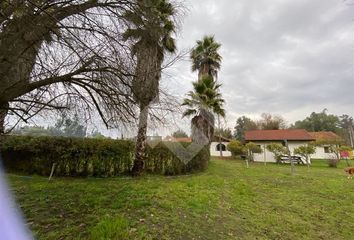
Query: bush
277, 149
92, 157
236, 148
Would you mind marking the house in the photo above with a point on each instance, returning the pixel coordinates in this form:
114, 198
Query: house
324, 151
216, 146
294, 138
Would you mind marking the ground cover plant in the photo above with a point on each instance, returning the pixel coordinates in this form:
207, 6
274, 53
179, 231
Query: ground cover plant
228, 201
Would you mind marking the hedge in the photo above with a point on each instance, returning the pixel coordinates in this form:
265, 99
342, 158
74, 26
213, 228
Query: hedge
95, 157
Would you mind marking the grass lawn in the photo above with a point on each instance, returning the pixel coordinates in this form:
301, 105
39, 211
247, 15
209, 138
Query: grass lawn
226, 202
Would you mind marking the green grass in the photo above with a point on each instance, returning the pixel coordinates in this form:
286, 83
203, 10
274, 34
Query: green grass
226, 202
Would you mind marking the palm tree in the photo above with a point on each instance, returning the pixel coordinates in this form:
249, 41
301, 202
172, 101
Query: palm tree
205, 57
202, 103
151, 29
206, 99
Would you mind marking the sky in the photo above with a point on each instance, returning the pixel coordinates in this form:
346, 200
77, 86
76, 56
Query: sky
279, 56
283, 57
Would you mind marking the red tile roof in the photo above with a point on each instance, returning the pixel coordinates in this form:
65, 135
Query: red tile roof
277, 135
325, 136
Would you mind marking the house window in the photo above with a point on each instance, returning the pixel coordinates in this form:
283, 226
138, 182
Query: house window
327, 150
221, 146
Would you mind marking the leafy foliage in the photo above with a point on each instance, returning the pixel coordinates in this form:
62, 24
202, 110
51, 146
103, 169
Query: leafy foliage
251, 149
271, 122
236, 148
206, 98
32, 131
205, 57
224, 132
318, 122
68, 127
179, 134
305, 151
244, 124
150, 28
206, 95
96, 134
92, 157
277, 149
65, 127
337, 150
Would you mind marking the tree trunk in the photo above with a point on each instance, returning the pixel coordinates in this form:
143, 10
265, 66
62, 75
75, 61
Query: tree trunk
203, 127
140, 146
3, 113
307, 161
289, 156
203, 131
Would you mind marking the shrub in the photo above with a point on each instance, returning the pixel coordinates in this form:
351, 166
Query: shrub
93, 157
305, 151
236, 148
277, 149
252, 148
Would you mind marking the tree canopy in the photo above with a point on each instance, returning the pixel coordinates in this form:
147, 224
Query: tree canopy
271, 122
64, 55
318, 122
244, 124
206, 58
224, 132
179, 134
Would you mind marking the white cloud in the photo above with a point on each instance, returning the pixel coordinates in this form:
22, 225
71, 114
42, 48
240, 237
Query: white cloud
284, 57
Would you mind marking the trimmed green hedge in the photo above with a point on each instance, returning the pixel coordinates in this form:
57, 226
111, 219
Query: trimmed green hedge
94, 157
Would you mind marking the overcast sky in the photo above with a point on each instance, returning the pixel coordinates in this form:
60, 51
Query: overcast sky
282, 57
279, 56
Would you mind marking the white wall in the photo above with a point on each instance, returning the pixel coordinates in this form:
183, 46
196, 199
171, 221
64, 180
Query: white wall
320, 153
267, 156
215, 153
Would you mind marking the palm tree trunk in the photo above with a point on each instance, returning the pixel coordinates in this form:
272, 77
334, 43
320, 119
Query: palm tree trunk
202, 130
140, 146
3, 113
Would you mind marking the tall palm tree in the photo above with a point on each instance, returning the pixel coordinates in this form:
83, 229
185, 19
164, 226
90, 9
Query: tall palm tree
204, 101
151, 29
205, 57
